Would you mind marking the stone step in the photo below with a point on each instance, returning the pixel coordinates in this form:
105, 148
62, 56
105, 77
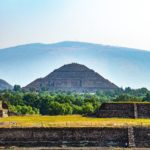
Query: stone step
135, 111
131, 139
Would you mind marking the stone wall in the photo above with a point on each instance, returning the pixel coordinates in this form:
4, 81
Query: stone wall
116, 110
124, 110
142, 137
143, 110
76, 137
90, 137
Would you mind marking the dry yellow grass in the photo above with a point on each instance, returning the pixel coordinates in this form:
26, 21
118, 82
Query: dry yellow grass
69, 121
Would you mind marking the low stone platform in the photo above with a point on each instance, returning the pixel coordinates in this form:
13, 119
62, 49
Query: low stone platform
68, 137
124, 110
131, 137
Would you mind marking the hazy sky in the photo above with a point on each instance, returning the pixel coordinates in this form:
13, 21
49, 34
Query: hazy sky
114, 22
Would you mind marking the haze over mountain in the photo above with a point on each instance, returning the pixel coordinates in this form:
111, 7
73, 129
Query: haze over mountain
4, 85
72, 77
123, 66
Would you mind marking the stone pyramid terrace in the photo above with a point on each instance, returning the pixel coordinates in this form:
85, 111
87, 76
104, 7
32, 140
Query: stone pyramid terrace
124, 110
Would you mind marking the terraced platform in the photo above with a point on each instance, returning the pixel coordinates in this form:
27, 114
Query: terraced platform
131, 137
124, 110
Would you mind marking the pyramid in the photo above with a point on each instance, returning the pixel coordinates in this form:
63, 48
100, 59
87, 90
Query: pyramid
72, 77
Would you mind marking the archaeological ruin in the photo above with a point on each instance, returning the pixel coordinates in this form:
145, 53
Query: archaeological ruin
3, 109
124, 110
72, 77
76, 137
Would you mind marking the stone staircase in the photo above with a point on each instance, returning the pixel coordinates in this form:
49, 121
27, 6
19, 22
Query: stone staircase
135, 111
131, 139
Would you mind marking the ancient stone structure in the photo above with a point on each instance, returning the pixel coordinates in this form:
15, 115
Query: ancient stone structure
76, 137
72, 137
143, 110
124, 110
72, 77
142, 137
3, 109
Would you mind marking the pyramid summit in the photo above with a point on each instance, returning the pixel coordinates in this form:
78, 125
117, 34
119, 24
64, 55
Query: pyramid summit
73, 67
72, 77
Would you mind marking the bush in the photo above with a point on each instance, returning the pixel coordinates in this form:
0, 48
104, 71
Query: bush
23, 110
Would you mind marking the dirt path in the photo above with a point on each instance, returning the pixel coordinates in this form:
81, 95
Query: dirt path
70, 148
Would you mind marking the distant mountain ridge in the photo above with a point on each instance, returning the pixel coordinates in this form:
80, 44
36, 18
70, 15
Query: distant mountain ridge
123, 66
72, 77
4, 85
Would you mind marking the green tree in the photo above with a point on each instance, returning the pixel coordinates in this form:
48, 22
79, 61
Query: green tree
77, 109
147, 97
17, 88
88, 108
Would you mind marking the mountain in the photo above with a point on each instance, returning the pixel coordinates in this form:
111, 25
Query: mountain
4, 85
123, 66
72, 77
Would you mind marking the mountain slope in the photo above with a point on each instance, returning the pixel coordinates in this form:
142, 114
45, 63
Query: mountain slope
4, 85
72, 77
123, 66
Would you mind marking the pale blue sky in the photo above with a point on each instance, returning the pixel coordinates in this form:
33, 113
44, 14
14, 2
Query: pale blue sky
114, 22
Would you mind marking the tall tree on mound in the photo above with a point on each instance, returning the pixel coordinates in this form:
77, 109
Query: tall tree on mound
72, 77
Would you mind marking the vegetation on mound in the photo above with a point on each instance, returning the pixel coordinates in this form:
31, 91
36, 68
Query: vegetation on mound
69, 121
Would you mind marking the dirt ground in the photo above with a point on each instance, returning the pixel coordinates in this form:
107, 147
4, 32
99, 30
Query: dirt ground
69, 148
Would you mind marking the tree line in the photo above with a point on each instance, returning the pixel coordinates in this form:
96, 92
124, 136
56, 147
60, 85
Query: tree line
62, 103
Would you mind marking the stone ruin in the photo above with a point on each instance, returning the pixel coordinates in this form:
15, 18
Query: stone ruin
3, 109
124, 110
76, 137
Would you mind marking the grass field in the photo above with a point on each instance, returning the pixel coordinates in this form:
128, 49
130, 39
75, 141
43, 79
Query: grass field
69, 121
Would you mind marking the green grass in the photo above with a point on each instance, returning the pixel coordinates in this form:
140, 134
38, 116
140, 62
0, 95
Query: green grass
69, 121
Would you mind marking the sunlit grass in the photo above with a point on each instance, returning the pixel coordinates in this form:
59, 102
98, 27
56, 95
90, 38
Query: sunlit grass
69, 121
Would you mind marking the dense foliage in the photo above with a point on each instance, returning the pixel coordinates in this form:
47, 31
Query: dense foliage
61, 103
